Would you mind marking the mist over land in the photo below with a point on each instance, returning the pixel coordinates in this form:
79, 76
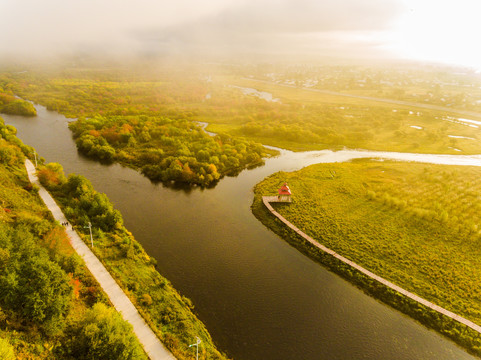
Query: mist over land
239, 29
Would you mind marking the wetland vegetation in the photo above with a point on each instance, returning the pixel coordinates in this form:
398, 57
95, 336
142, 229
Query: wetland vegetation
413, 224
151, 98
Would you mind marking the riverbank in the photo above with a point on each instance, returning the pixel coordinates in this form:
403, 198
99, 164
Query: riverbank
152, 346
392, 242
168, 314
48, 297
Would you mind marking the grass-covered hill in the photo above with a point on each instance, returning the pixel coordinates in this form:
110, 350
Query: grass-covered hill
416, 225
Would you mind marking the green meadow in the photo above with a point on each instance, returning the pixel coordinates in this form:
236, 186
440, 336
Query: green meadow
416, 225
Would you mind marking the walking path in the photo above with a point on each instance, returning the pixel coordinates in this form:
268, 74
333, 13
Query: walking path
152, 346
268, 199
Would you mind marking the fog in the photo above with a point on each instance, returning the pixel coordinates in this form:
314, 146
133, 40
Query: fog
440, 31
35, 28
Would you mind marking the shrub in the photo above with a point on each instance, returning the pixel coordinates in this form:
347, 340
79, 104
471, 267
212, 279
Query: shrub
146, 300
105, 335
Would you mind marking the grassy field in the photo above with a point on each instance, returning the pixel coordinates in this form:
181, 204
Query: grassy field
416, 225
300, 120
457, 88
307, 120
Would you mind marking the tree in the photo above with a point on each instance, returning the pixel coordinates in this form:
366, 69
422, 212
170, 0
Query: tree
19, 107
30, 283
51, 175
9, 154
105, 335
44, 293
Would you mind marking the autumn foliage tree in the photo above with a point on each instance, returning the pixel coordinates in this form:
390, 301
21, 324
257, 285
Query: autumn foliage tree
165, 149
51, 175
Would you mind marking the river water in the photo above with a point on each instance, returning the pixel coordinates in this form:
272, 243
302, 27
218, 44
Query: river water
259, 297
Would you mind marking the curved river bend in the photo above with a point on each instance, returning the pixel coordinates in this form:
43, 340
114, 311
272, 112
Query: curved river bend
259, 297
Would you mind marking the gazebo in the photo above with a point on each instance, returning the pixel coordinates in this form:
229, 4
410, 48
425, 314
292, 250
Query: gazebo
284, 193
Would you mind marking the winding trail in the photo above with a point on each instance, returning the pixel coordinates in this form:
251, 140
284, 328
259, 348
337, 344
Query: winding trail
152, 345
268, 199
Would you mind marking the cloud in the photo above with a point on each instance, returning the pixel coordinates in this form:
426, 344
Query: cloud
305, 16
279, 26
154, 26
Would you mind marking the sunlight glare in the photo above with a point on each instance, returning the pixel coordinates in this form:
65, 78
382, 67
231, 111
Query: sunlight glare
440, 31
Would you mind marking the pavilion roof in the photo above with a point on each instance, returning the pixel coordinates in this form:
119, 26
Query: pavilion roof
284, 190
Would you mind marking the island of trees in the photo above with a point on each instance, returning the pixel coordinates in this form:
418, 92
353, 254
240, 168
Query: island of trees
165, 149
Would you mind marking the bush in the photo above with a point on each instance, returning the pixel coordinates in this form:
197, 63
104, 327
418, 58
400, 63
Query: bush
146, 300
105, 335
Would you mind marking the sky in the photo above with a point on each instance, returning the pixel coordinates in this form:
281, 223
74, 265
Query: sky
433, 30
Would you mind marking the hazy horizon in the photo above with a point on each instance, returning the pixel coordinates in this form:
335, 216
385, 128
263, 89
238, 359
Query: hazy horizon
353, 29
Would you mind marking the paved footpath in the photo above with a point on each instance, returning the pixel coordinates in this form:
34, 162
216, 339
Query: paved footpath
268, 199
152, 345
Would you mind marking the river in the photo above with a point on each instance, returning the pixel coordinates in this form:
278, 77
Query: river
259, 297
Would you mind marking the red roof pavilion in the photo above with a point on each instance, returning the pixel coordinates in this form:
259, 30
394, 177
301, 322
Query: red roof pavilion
284, 190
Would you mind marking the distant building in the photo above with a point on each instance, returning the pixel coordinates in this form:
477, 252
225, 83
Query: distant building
284, 193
